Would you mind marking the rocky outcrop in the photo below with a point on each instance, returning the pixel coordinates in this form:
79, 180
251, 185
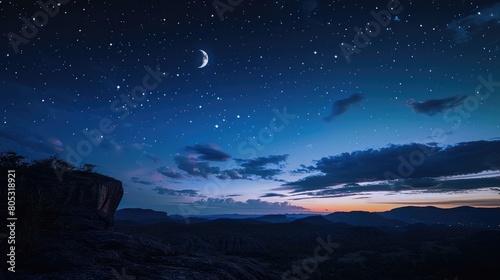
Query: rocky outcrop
94, 200
77, 202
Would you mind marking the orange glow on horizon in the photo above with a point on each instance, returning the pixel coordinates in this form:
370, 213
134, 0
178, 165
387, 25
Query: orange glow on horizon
329, 208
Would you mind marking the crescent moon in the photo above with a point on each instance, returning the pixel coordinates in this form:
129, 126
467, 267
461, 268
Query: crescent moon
205, 59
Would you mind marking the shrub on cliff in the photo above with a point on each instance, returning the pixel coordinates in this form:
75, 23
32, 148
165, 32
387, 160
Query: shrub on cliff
11, 160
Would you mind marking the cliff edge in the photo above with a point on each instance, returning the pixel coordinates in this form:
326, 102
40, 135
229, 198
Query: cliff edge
79, 201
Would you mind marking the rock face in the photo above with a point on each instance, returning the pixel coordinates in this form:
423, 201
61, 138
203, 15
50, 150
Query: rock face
77, 202
94, 200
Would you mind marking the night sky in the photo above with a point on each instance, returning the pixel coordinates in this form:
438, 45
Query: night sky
294, 112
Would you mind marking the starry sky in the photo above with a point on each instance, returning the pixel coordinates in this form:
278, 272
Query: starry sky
305, 106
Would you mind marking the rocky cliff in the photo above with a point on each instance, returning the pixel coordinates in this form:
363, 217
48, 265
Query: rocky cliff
96, 200
82, 201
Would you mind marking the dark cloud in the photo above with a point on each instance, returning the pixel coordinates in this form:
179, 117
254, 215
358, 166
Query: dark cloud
140, 181
435, 106
400, 161
171, 192
208, 152
193, 166
32, 141
261, 162
263, 167
416, 185
474, 23
273, 195
341, 106
151, 157
303, 169
169, 172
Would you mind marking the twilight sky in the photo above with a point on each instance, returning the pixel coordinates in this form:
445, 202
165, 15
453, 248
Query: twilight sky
302, 107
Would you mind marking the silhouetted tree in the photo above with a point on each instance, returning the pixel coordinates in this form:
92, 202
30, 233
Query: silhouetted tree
12, 160
52, 162
87, 167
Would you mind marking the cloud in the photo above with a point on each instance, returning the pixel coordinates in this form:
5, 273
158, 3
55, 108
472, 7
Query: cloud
341, 106
261, 162
171, 192
435, 106
30, 140
198, 165
414, 185
251, 206
474, 23
230, 174
208, 152
169, 172
430, 161
303, 169
193, 166
151, 157
110, 144
141, 181
261, 166
56, 144
273, 195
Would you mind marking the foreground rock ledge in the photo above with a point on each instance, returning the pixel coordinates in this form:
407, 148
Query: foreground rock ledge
73, 222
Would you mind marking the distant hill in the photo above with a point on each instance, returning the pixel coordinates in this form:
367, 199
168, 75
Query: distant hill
142, 216
460, 216
275, 219
226, 221
226, 216
361, 218
398, 217
313, 220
